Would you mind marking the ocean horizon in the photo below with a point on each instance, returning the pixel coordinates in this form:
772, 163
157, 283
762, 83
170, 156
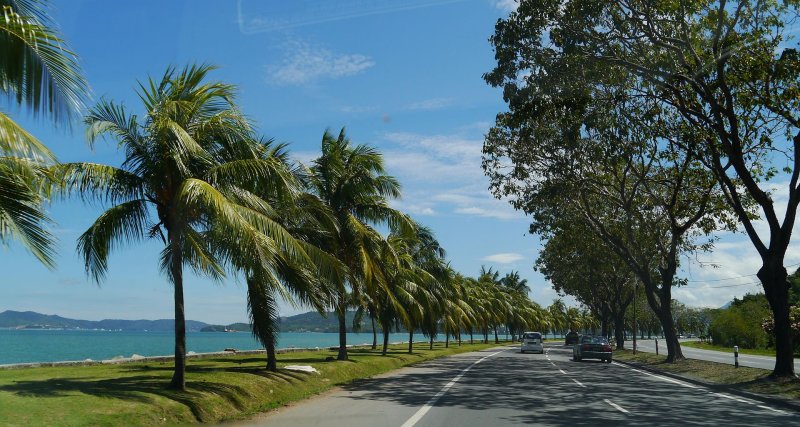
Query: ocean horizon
57, 345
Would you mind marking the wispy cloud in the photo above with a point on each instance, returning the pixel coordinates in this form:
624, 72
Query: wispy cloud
430, 104
443, 173
305, 64
506, 5
504, 258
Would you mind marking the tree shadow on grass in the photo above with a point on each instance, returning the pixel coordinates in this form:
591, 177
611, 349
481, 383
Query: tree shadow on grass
140, 389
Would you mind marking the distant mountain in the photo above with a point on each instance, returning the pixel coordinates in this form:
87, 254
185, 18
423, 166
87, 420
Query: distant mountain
306, 322
33, 320
314, 322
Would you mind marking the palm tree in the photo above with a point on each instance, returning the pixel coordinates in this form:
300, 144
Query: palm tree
39, 73
305, 218
352, 181
188, 165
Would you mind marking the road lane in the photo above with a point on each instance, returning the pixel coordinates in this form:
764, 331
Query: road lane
761, 362
510, 388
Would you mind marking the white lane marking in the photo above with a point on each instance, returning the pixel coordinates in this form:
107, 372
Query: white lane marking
726, 396
681, 383
427, 407
617, 407
552, 363
733, 398
771, 409
578, 382
562, 371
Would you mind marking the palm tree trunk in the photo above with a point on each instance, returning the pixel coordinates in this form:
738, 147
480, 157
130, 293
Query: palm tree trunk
374, 335
446, 340
341, 313
263, 310
430, 347
176, 269
470, 336
385, 340
496, 340
410, 341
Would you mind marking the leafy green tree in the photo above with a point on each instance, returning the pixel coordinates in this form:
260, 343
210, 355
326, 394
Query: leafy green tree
188, 164
39, 73
581, 265
351, 181
724, 67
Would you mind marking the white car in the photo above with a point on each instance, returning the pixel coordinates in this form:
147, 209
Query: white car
532, 341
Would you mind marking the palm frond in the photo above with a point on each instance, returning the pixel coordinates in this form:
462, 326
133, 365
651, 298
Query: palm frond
36, 68
121, 224
22, 216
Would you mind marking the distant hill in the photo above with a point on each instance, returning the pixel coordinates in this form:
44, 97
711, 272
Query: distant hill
306, 322
33, 320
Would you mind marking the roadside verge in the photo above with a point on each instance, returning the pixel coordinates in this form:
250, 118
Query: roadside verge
749, 383
219, 388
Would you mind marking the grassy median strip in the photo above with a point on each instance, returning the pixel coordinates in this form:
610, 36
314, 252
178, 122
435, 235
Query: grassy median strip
230, 387
746, 379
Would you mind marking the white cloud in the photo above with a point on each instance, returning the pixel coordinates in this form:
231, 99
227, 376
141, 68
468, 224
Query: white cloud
430, 104
306, 64
506, 5
443, 173
504, 258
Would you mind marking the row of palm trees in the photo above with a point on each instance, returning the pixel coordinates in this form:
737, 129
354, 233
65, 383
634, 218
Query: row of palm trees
222, 200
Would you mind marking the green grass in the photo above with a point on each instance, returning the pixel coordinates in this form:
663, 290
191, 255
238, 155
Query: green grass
751, 351
742, 378
230, 387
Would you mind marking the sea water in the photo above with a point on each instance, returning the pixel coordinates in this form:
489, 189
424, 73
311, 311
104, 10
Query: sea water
38, 345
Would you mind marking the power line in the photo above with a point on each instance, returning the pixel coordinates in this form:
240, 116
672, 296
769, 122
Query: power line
733, 278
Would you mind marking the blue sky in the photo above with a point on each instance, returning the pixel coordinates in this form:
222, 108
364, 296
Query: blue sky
405, 79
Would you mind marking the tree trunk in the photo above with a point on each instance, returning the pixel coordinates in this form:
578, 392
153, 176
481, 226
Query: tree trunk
496, 340
176, 269
619, 330
664, 313
470, 336
341, 313
430, 347
385, 341
776, 288
374, 335
446, 340
410, 341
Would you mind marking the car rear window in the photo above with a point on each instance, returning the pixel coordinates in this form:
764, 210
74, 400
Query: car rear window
535, 336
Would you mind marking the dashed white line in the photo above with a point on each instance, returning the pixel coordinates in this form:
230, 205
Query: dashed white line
562, 371
427, 407
578, 382
615, 406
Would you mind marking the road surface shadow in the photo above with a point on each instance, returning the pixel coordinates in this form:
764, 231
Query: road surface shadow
514, 388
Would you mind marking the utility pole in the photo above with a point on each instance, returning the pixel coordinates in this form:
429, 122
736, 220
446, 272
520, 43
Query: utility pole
635, 287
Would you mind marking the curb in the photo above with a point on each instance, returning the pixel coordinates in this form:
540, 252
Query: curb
782, 402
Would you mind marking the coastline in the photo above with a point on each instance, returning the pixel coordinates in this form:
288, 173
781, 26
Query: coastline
161, 359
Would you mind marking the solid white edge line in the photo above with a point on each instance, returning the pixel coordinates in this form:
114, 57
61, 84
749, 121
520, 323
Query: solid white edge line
617, 407
771, 409
578, 382
749, 402
681, 383
427, 407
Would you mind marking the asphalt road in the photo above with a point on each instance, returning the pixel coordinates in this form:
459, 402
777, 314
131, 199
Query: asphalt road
763, 362
502, 387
